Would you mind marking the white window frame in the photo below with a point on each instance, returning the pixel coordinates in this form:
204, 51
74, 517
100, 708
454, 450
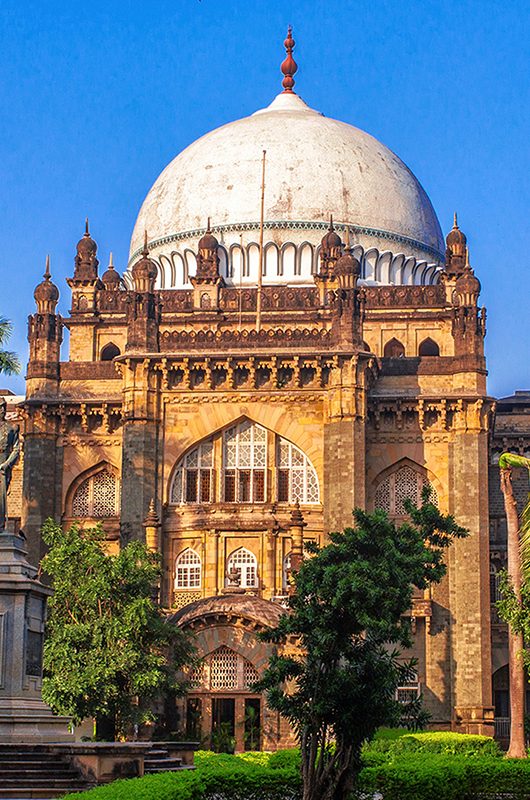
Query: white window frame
237, 445
291, 465
200, 460
187, 564
246, 563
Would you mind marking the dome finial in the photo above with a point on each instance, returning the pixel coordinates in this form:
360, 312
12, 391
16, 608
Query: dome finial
111, 261
145, 251
331, 228
289, 65
87, 232
47, 273
455, 223
208, 229
468, 265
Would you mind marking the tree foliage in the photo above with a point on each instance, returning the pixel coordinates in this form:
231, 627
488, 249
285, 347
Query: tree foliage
108, 649
347, 618
9, 361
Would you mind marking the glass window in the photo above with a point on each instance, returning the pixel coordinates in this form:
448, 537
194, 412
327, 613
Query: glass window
242, 569
297, 478
193, 481
245, 463
188, 570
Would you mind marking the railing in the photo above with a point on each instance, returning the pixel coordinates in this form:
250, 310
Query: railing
502, 727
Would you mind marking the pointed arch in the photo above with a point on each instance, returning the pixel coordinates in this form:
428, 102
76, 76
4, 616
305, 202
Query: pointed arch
401, 481
428, 348
297, 479
394, 349
109, 352
95, 493
192, 480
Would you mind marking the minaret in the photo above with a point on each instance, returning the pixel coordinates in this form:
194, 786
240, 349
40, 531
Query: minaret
85, 285
45, 334
469, 322
330, 252
143, 312
207, 281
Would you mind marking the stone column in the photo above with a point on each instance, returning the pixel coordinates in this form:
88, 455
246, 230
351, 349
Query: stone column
469, 575
24, 717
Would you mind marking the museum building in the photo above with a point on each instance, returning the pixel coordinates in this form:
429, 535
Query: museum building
292, 337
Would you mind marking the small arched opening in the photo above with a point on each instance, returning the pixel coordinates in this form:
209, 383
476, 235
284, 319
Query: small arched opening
110, 351
428, 348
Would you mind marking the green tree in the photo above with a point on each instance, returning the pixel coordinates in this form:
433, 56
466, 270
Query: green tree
9, 362
108, 650
346, 615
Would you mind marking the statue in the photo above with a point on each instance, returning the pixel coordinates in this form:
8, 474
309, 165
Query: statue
9, 452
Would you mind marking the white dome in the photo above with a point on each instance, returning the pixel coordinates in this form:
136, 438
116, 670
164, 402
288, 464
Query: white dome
315, 166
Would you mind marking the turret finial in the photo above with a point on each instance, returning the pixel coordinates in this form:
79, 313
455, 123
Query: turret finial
347, 244
47, 273
468, 265
111, 261
87, 232
145, 251
208, 230
455, 223
289, 65
331, 228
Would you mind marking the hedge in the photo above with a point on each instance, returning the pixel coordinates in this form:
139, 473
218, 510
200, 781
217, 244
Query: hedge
443, 742
447, 778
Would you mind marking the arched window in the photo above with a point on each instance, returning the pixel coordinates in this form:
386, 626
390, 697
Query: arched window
224, 669
110, 351
188, 570
394, 349
428, 348
97, 496
193, 481
297, 479
405, 483
242, 569
245, 463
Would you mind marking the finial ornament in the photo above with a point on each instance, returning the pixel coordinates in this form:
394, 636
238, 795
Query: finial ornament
331, 228
145, 251
87, 232
468, 265
208, 230
289, 65
47, 273
111, 261
455, 223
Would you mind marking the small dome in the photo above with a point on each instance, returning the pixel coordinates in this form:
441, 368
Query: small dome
208, 241
331, 239
455, 236
347, 264
46, 294
86, 246
468, 283
144, 271
110, 277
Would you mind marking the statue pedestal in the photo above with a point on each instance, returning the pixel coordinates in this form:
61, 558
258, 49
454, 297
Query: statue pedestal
24, 717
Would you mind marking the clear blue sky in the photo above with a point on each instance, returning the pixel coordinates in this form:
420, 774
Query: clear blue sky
97, 97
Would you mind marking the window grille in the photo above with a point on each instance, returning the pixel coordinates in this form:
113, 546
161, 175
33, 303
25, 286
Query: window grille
297, 478
188, 570
193, 481
223, 669
495, 591
97, 496
405, 483
286, 571
242, 569
245, 462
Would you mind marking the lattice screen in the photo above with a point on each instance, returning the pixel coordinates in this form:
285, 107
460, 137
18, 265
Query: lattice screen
223, 669
97, 496
405, 483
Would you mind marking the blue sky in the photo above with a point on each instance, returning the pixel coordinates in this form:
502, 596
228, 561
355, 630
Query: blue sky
98, 97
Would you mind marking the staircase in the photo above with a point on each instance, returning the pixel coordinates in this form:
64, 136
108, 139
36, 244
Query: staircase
26, 773
159, 759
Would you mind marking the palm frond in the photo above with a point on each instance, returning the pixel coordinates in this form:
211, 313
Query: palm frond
9, 363
6, 329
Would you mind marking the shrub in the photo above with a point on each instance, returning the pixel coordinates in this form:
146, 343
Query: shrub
423, 777
285, 759
435, 742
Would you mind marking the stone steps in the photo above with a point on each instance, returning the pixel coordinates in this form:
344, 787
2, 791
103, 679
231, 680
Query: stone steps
159, 760
27, 773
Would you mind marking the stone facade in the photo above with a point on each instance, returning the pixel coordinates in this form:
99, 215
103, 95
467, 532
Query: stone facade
180, 419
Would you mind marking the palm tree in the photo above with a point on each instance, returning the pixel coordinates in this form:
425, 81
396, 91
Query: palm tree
9, 363
518, 570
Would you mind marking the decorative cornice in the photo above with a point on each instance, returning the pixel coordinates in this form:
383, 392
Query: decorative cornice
274, 225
